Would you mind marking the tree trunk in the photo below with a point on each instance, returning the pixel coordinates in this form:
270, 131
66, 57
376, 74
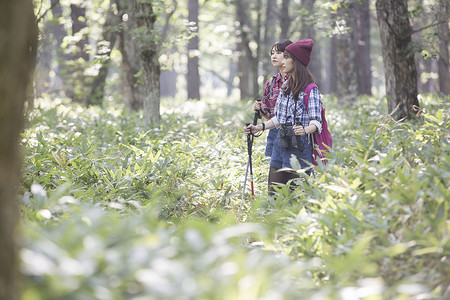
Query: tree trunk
45, 59
347, 81
58, 33
74, 79
332, 68
168, 81
131, 62
269, 36
399, 66
50, 53
443, 63
232, 73
308, 32
361, 29
258, 42
193, 76
78, 16
424, 65
285, 19
148, 53
247, 65
17, 58
104, 50
243, 73
425, 84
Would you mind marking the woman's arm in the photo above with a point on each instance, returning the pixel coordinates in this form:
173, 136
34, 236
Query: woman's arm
315, 115
263, 126
300, 130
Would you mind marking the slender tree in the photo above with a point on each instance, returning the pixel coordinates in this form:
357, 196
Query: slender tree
243, 71
58, 34
269, 35
18, 57
247, 64
104, 49
443, 64
193, 75
140, 46
260, 45
398, 58
332, 71
50, 53
45, 60
232, 73
361, 31
148, 52
424, 64
347, 81
308, 31
168, 77
285, 19
73, 73
131, 63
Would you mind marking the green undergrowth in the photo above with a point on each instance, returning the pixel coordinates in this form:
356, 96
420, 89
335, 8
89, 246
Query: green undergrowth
113, 211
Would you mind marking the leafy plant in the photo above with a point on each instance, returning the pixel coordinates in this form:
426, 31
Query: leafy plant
112, 212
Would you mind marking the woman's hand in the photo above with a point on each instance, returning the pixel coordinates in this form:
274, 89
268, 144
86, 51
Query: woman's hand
251, 129
257, 106
299, 130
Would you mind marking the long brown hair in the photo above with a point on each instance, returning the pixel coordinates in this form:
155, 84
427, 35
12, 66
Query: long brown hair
299, 79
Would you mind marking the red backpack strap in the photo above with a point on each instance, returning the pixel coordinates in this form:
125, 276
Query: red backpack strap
307, 91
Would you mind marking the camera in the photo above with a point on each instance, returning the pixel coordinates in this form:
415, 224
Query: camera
287, 136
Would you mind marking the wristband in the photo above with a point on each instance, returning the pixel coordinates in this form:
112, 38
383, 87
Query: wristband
263, 126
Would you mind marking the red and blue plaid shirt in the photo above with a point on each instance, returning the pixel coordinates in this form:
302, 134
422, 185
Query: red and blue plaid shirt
270, 96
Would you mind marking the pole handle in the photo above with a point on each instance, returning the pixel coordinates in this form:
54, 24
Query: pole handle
257, 115
261, 111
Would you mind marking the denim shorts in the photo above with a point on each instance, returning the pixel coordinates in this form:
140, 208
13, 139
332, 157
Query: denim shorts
271, 137
281, 157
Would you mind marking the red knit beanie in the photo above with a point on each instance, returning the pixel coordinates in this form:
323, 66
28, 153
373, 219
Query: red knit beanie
301, 50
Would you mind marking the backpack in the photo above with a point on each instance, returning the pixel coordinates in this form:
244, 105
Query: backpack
323, 139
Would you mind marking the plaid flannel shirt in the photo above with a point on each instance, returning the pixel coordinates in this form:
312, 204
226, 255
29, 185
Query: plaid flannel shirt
283, 115
270, 96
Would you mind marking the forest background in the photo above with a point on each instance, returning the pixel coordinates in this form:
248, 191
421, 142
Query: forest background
132, 158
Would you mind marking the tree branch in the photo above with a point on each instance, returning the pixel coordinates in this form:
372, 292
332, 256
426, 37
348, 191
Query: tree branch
221, 78
38, 20
165, 28
428, 26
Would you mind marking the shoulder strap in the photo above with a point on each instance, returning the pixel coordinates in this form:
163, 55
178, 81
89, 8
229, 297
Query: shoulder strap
307, 91
272, 83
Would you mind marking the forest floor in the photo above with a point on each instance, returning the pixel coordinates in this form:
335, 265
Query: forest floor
111, 210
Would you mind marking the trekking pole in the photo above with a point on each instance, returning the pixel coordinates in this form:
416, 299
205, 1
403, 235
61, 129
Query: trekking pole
249, 162
249, 150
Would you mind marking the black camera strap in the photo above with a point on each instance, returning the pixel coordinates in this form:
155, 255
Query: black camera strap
297, 137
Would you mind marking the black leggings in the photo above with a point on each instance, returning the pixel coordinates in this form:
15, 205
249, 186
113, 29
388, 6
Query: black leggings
282, 177
277, 177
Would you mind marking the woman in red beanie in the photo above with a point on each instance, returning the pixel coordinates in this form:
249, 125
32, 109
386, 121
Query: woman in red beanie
271, 90
295, 122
